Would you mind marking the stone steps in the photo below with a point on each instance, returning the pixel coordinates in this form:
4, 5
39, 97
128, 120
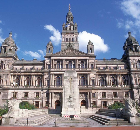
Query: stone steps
109, 121
33, 121
35, 117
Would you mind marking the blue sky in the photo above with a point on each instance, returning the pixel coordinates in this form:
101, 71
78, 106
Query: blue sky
104, 22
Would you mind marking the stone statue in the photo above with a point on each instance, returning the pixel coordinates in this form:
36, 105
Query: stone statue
130, 107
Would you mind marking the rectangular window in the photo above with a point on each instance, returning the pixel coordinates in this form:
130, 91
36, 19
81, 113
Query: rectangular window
66, 39
94, 103
115, 94
103, 94
37, 94
93, 82
49, 66
14, 94
25, 94
93, 95
126, 94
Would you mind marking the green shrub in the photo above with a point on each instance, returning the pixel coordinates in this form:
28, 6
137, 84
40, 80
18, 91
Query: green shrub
26, 105
116, 105
3, 111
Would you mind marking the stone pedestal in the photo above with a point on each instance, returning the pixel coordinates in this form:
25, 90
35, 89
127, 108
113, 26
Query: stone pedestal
71, 104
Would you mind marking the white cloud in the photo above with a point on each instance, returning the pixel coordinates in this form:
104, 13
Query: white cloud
56, 38
0, 21
18, 48
1, 40
98, 42
41, 52
130, 8
32, 54
15, 35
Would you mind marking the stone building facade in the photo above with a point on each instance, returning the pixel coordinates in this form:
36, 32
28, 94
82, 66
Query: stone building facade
100, 82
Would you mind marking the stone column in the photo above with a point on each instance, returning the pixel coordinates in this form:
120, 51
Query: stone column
88, 79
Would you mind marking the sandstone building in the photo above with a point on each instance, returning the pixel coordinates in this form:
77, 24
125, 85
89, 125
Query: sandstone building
100, 82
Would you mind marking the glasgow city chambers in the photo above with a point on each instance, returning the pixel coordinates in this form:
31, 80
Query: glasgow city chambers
99, 82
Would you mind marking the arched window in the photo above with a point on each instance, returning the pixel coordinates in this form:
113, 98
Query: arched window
27, 81
83, 81
138, 64
38, 81
113, 81
101, 81
18, 81
82, 64
70, 65
123, 80
90, 50
58, 64
58, 81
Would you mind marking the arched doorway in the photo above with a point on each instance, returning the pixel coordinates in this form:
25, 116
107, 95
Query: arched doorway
57, 104
83, 103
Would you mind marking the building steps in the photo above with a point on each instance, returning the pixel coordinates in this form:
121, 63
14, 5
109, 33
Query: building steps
109, 121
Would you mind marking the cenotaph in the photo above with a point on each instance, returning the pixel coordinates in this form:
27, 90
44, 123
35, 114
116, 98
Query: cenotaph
71, 106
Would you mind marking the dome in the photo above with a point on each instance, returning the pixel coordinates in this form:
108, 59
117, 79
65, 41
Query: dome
131, 39
9, 40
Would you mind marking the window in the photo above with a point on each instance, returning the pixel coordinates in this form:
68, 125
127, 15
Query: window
58, 81
82, 64
66, 39
93, 82
73, 65
14, 94
93, 95
25, 94
17, 81
37, 94
70, 65
94, 103
66, 66
138, 65
113, 81
38, 81
101, 81
126, 94
124, 80
83, 81
27, 81
72, 39
103, 94
91, 66
115, 94
58, 64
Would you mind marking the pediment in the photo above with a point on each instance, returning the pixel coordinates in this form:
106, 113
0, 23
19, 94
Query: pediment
70, 52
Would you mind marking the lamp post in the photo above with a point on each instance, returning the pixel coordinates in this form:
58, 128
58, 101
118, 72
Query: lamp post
42, 95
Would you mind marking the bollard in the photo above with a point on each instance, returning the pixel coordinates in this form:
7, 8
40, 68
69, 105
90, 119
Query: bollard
27, 121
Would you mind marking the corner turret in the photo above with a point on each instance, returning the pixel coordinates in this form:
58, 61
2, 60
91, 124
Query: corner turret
9, 47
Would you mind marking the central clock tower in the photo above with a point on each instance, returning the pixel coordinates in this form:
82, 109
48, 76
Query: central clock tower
69, 32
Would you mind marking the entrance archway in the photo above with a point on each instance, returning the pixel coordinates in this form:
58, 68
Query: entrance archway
57, 104
83, 103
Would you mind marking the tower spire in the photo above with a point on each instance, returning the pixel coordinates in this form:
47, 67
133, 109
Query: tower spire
69, 8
